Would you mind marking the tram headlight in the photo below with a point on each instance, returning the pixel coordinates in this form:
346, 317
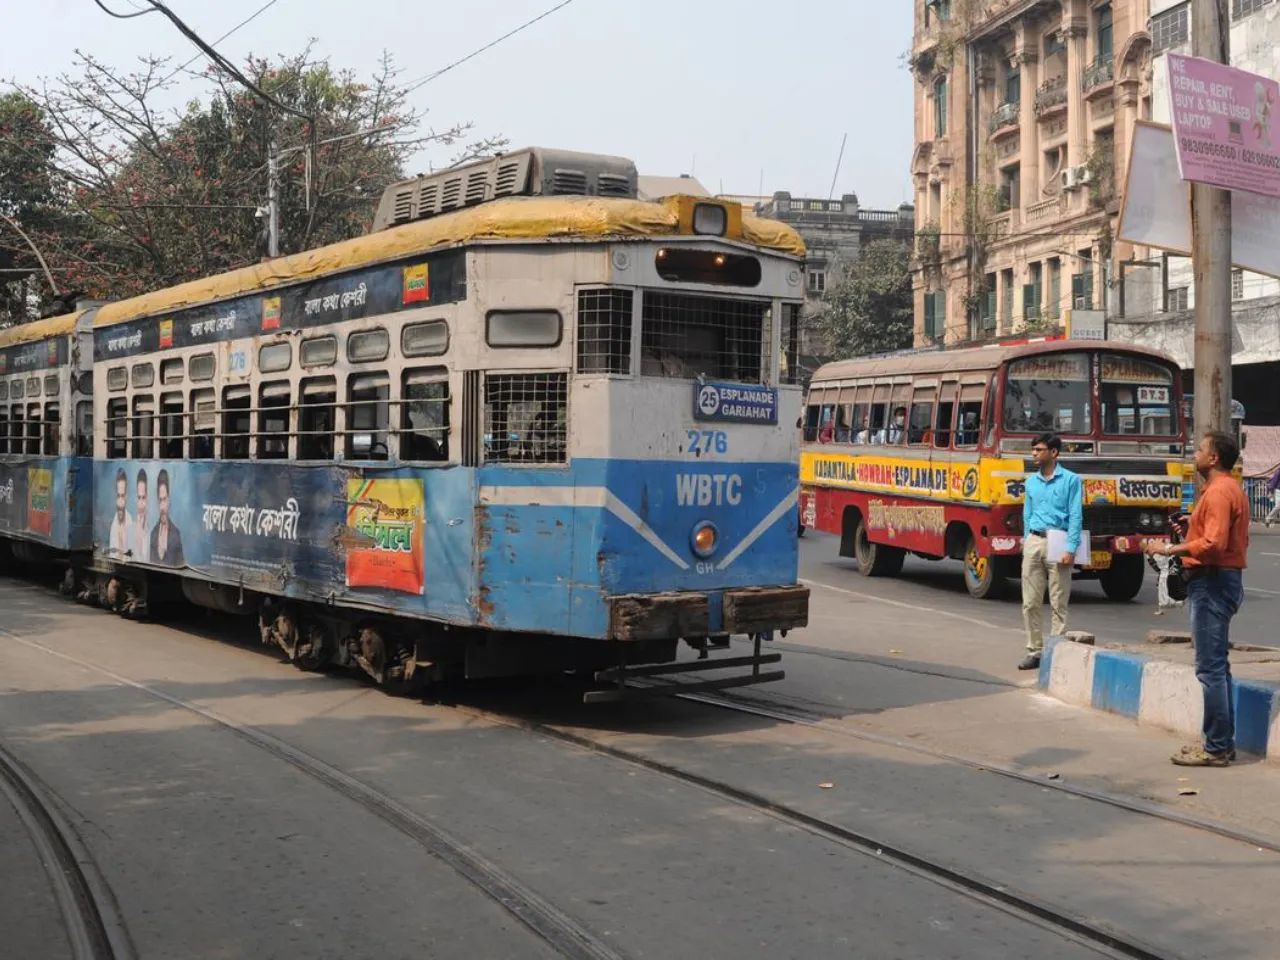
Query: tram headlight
704, 539
710, 220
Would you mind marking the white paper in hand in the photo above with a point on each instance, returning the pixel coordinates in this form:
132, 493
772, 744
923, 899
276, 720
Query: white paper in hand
1057, 546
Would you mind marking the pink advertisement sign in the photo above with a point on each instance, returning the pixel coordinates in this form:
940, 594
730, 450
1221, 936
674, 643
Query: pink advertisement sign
1223, 125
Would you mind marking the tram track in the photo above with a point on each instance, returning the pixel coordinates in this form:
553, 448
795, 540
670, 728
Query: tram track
91, 919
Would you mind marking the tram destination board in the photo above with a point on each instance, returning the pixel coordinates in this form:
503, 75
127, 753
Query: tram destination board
735, 403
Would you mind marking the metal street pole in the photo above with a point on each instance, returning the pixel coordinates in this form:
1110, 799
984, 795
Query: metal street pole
1211, 251
273, 201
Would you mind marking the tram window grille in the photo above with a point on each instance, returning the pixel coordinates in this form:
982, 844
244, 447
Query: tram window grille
117, 428
52, 420
33, 429
424, 416
171, 423
317, 402
144, 427
4, 431
84, 429
791, 342
273, 421
684, 337
604, 331
4, 391
237, 420
368, 408
526, 418
204, 419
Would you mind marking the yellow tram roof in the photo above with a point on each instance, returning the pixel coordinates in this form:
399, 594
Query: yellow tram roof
512, 218
39, 329
965, 360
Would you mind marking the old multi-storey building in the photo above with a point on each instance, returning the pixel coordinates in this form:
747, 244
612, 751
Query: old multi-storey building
1024, 110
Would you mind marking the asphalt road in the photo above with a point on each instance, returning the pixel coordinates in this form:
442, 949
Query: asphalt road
214, 847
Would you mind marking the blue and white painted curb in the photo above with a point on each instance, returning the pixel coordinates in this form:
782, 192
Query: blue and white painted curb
1156, 692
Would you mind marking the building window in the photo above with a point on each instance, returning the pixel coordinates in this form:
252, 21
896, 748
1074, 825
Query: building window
1177, 299
1006, 298
1055, 288
1237, 284
1106, 35
1010, 197
1082, 289
940, 107
1242, 8
1169, 28
817, 281
1053, 44
1013, 85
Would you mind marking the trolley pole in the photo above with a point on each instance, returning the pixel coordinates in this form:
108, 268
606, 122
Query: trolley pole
1211, 252
273, 203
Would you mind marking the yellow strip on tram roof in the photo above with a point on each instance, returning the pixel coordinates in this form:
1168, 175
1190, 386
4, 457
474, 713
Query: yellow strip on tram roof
39, 329
512, 218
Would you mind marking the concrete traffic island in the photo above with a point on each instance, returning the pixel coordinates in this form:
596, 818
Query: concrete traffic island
1158, 687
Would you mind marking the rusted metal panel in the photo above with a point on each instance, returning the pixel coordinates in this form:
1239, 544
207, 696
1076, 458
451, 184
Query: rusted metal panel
766, 608
659, 616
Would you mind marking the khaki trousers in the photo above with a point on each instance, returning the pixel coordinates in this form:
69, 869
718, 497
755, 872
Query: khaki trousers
1038, 567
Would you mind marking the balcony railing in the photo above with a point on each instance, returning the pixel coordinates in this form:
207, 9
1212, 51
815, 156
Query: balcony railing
1052, 93
1099, 73
1004, 116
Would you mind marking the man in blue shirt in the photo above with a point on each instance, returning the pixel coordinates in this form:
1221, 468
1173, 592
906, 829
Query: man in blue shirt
1054, 500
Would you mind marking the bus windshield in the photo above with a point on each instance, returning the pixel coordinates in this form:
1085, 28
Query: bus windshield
1137, 398
1048, 392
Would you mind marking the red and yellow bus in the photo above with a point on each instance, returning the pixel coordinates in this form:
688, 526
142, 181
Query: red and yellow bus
926, 453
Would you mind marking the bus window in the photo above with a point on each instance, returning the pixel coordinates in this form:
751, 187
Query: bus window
858, 420
144, 428
879, 414
969, 416
945, 422
424, 415
273, 421
170, 424
1048, 392
368, 402
204, 417
52, 420
827, 423
236, 421
117, 428
920, 419
1137, 398
812, 416
318, 398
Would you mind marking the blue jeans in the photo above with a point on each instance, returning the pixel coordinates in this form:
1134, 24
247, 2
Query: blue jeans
1214, 601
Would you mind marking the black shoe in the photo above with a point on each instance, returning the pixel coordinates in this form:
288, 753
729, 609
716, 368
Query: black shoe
1030, 662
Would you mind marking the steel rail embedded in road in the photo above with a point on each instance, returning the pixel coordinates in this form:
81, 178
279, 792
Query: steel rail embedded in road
91, 919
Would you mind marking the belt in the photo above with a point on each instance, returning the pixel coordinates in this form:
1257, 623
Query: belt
1036, 533
1202, 570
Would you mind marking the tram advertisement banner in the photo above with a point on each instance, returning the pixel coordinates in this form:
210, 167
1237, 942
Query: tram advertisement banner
264, 525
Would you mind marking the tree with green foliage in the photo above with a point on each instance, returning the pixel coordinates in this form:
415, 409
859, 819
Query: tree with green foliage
868, 309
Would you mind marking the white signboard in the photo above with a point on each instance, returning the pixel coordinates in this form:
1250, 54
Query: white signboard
1086, 325
1157, 206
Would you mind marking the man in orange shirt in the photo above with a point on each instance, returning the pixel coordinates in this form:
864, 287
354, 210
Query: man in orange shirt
1214, 557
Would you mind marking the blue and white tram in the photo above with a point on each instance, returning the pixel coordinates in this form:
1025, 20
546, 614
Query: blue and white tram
543, 432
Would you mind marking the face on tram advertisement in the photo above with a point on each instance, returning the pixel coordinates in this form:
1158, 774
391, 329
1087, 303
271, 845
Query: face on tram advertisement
251, 523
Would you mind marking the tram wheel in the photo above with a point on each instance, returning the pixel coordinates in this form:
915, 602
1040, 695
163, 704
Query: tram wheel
1123, 579
875, 559
984, 577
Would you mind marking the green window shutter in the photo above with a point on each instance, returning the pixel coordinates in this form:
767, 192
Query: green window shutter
928, 315
989, 313
940, 314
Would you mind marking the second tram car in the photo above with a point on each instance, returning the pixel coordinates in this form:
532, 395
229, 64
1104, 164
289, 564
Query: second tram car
529, 424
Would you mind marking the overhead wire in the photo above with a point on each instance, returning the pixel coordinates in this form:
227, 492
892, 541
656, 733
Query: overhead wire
243, 23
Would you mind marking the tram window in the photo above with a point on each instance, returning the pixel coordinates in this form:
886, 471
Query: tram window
684, 336
275, 357
33, 387
368, 346
4, 430
273, 421
526, 418
117, 379
170, 425
17, 390
430, 339
424, 417
34, 423
52, 420
144, 375
318, 401
604, 331
84, 384
920, 420
117, 428
204, 419
171, 371
84, 428
144, 427
368, 403
523, 328
202, 367
4, 391
51, 386
16, 428
236, 422
318, 352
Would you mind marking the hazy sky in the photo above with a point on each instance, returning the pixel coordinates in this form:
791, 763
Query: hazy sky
724, 89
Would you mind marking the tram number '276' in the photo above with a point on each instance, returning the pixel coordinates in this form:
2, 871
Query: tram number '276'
708, 489
707, 441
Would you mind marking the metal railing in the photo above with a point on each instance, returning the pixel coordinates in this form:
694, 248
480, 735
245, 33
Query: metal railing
1052, 93
1099, 73
1005, 115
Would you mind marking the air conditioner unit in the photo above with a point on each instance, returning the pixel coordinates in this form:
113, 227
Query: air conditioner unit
1082, 303
1068, 178
1083, 173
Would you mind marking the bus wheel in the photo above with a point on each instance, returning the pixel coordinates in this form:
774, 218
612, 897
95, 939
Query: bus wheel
983, 576
1123, 579
875, 559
